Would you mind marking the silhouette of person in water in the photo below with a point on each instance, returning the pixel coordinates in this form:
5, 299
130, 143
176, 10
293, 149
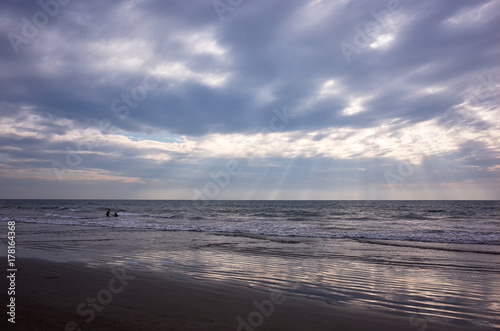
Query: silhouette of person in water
116, 215
108, 213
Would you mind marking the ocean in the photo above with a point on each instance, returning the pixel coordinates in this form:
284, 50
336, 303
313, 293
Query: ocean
422, 259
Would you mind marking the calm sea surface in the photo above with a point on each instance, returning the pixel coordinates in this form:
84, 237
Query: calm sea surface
422, 259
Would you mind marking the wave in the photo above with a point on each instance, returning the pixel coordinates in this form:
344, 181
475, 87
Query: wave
357, 218
61, 216
433, 247
278, 229
412, 216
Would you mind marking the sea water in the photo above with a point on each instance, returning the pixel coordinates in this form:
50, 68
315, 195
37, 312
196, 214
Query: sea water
422, 259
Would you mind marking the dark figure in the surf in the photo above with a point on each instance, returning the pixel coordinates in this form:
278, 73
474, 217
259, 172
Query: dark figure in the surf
116, 215
108, 213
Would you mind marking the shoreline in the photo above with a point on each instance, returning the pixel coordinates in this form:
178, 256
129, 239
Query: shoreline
71, 295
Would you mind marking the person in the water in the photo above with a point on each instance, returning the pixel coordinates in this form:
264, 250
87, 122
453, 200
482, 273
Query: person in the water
116, 215
108, 213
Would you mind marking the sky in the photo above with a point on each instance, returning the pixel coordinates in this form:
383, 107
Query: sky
250, 99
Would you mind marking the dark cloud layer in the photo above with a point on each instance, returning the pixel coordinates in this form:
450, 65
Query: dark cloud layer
176, 68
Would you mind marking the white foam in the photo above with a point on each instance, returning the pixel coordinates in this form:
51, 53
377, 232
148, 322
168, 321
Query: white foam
275, 228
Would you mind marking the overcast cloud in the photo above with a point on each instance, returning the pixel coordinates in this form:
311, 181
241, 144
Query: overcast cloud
250, 99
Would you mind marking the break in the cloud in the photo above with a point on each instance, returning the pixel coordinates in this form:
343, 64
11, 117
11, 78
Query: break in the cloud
250, 99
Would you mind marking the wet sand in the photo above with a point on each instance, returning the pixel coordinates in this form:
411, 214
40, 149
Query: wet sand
74, 296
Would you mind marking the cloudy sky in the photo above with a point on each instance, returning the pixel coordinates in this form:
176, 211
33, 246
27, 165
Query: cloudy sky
250, 99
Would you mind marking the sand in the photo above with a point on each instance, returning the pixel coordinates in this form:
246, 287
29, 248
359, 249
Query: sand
49, 294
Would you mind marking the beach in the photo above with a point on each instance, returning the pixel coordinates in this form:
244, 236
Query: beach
78, 269
51, 292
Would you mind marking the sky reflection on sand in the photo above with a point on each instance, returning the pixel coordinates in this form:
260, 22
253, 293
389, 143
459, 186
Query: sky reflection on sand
339, 272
